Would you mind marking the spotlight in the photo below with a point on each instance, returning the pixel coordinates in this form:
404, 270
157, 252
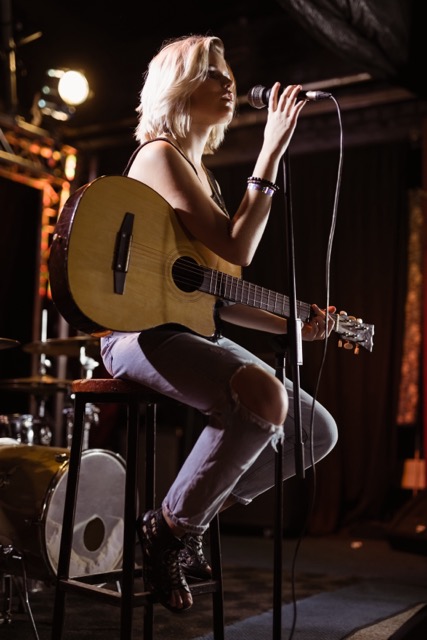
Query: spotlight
73, 88
62, 91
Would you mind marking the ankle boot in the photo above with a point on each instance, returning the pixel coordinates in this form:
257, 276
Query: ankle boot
162, 570
192, 558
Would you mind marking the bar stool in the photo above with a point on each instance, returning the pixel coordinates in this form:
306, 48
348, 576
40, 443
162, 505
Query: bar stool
135, 397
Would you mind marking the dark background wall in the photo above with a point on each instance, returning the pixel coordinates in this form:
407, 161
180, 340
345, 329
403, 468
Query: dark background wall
20, 219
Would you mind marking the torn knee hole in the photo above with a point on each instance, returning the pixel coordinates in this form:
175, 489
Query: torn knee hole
261, 393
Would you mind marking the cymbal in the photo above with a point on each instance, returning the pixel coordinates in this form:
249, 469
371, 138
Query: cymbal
39, 385
65, 346
7, 343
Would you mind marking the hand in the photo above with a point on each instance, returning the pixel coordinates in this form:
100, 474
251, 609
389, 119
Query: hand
316, 328
283, 110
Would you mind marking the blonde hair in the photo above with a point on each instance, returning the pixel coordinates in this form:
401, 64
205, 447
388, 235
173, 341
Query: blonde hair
173, 74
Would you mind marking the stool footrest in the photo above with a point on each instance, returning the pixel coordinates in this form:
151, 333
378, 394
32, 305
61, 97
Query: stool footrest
208, 586
102, 593
108, 576
92, 585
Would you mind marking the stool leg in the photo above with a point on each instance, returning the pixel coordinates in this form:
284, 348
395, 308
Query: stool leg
218, 594
150, 455
68, 519
129, 541
150, 493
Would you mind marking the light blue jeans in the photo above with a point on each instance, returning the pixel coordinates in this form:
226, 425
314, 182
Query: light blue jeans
231, 455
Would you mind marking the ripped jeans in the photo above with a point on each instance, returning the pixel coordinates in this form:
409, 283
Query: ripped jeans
231, 456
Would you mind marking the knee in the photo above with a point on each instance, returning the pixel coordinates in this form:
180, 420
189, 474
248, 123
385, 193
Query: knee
326, 431
261, 393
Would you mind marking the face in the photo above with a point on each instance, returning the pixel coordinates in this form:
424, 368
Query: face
213, 101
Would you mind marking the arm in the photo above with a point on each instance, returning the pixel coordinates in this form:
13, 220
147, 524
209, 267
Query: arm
161, 167
261, 320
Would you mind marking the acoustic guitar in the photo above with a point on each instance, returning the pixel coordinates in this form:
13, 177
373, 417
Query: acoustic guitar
120, 260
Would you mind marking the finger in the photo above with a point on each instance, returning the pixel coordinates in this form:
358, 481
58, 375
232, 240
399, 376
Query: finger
319, 326
322, 312
296, 88
274, 95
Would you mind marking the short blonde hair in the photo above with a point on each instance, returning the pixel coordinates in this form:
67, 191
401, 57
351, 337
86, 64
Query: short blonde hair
172, 76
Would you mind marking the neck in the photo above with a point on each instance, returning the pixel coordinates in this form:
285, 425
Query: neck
193, 146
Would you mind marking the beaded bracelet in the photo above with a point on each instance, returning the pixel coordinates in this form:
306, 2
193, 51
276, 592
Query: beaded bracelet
263, 182
256, 186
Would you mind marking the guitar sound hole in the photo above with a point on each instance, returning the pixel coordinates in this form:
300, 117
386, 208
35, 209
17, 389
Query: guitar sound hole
187, 274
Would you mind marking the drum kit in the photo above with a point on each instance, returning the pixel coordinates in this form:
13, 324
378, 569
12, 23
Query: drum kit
35, 429
33, 476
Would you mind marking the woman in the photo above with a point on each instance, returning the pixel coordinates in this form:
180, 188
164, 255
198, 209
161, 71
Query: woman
187, 102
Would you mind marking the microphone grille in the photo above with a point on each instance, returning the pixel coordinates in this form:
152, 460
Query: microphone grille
256, 97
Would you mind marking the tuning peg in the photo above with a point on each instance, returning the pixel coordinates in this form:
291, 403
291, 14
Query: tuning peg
349, 345
346, 344
343, 313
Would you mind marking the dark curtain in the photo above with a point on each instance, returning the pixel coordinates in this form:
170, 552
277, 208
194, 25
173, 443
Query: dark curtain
359, 479
20, 220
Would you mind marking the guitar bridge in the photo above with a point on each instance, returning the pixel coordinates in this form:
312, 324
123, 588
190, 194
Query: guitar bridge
122, 252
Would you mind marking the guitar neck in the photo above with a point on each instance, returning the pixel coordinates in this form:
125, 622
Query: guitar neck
235, 289
227, 287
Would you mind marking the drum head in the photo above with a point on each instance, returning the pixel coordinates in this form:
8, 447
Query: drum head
8, 441
99, 524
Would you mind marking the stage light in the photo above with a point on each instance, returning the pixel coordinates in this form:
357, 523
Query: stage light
62, 91
73, 88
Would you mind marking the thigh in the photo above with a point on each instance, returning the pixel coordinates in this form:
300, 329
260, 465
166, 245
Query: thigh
183, 365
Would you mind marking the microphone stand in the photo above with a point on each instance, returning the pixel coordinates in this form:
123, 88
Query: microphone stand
293, 347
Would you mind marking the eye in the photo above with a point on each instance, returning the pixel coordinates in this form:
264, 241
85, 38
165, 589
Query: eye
213, 74
216, 74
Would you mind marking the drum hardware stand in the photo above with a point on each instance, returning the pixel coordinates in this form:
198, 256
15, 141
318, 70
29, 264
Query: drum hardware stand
43, 366
88, 364
91, 411
10, 556
40, 403
41, 413
91, 418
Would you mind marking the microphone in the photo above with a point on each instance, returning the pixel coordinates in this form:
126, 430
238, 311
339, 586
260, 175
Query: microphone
258, 96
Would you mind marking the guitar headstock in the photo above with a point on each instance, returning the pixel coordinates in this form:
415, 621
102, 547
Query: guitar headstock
354, 332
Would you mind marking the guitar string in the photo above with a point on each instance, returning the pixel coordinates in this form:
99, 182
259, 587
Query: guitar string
189, 274
255, 294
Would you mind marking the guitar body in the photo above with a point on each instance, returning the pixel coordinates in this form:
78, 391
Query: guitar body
83, 255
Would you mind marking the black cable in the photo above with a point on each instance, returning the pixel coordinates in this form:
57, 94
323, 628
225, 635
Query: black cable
319, 375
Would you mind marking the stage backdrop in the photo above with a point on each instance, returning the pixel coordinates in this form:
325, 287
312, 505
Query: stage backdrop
360, 479
20, 220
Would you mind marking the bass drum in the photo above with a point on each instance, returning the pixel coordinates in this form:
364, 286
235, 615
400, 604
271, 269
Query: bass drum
32, 493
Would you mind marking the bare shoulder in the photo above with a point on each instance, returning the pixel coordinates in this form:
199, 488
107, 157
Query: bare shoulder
161, 166
158, 156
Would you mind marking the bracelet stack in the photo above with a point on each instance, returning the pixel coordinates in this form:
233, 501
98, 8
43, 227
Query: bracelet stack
265, 186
